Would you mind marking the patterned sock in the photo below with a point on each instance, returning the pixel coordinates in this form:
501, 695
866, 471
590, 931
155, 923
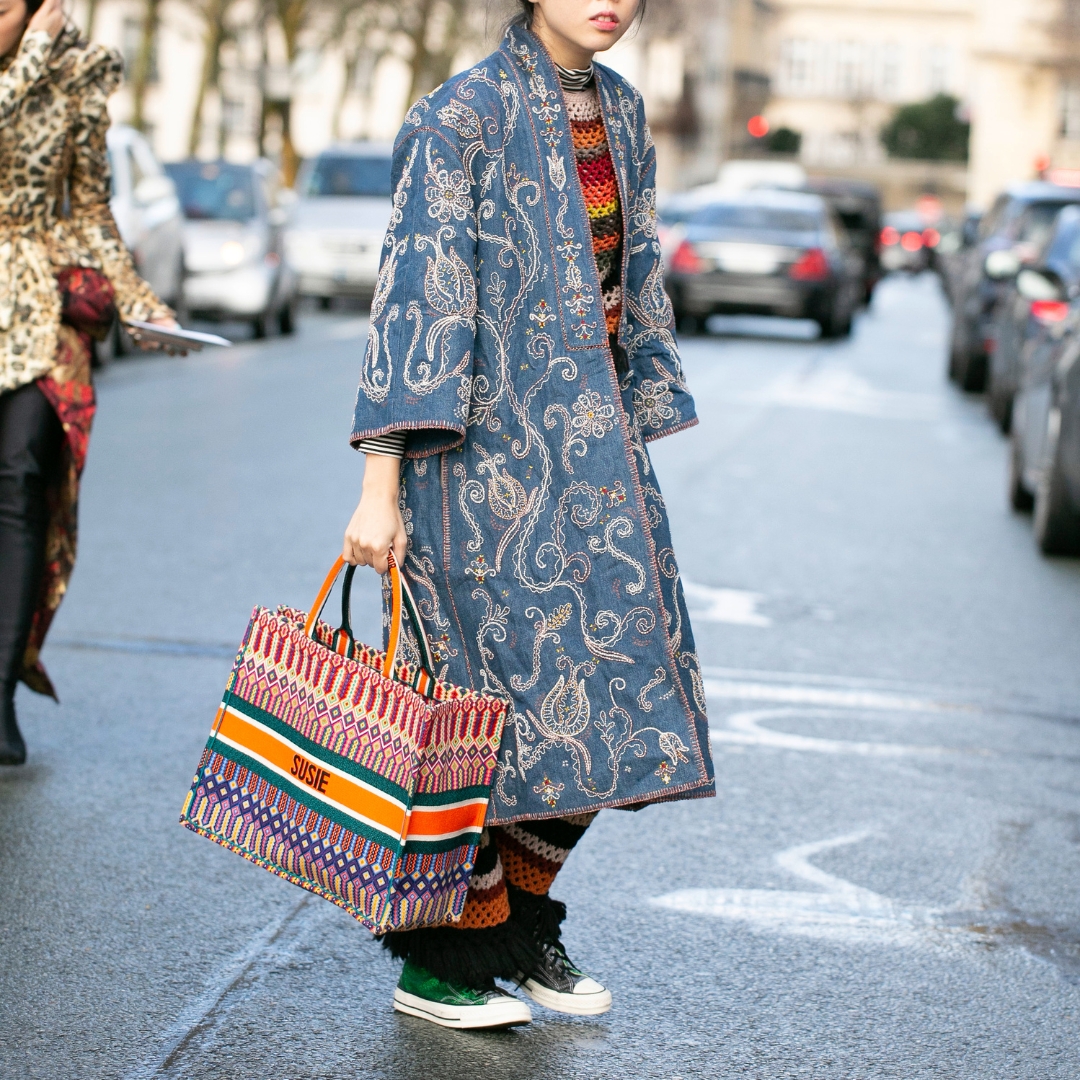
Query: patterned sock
486, 903
533, 852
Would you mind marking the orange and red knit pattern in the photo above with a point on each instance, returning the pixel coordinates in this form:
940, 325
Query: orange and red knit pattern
601, 191
526, 854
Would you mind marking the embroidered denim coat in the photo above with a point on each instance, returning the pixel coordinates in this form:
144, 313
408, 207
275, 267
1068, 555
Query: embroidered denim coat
538, 539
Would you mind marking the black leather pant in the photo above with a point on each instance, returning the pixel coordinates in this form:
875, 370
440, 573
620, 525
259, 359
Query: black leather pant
31, 440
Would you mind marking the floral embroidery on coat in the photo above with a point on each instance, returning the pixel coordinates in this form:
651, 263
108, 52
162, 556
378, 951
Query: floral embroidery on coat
538, 538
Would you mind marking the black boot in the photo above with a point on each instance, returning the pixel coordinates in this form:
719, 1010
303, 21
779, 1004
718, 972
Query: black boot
12, 747
31, 438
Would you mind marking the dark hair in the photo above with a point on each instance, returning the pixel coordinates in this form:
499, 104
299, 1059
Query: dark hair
525, 16
32, 6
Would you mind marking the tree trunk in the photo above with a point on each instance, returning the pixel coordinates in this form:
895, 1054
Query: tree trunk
144, 61
419, 61
91, 17
291, 14
214, 32
352, 62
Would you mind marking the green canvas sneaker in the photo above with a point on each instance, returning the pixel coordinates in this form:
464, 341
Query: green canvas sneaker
420, 994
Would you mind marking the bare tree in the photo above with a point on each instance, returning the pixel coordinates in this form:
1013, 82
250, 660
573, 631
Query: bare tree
142, 69
213, 15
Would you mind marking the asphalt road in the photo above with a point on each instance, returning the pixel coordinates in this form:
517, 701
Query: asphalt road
887, 885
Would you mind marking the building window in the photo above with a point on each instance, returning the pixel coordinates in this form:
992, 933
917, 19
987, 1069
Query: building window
234, 117
797, 66
1070, 109
849, 69
889, 78
937, 70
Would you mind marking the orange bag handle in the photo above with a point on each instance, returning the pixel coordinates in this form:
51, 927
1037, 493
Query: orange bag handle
400, 598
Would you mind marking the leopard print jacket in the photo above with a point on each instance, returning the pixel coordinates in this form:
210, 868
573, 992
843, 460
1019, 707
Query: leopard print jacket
54, 196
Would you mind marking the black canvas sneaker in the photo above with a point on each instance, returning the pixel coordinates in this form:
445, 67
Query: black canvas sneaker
557, 983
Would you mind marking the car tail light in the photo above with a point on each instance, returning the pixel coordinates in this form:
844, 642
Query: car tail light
931, 237
911, 241
1049, 311
813, 266
686, 259
889, 236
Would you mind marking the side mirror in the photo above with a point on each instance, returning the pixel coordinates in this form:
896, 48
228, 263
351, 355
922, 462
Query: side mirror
1000, 265
1039, 285
151, 189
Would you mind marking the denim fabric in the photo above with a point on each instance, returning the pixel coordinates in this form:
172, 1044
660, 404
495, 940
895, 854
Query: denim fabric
539, 542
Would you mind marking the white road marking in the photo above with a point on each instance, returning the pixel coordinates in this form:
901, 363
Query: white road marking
794, 694
734, 606
838, 389
744, 728
843, 911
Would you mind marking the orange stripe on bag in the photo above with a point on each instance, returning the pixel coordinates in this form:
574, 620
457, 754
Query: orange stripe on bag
362, 802
428, 822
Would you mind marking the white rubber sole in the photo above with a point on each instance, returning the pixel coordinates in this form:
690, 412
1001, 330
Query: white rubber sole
506, 1012
574, 1004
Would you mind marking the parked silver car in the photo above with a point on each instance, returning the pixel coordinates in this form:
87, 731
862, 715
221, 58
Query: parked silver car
338, 225
233, 245
147, 213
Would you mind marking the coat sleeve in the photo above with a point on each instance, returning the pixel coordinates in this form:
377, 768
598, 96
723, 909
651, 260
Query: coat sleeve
661, 399
26, 69
417, 370
90, 186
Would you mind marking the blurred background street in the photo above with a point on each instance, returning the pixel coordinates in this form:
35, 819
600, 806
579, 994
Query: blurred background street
870, 219
884, 888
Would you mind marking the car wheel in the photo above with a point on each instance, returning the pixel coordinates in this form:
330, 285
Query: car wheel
259, 326
325, 303
1020, 499
834, 326
1000, 402
957, 351
687, 325
1057, 520
287, 318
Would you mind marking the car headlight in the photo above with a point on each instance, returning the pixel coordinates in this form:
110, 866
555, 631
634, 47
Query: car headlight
233, 253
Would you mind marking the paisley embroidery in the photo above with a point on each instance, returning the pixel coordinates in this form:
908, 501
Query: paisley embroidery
538, 543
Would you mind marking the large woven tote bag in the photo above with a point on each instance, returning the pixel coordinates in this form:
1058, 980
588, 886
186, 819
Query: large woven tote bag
349, 774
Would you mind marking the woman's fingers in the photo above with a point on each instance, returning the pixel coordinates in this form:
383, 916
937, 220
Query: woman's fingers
375, 528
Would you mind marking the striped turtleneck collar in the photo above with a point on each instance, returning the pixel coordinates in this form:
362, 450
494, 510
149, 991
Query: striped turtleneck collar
575, 78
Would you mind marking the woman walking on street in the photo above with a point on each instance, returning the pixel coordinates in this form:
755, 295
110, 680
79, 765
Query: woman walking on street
521, 355
64, 272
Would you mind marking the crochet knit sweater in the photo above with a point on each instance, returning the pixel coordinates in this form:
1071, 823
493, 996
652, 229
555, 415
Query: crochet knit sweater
601, 191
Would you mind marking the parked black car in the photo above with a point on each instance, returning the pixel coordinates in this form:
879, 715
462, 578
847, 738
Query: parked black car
1010, 232
858, 205
766, 252
1030, 318
1044, 465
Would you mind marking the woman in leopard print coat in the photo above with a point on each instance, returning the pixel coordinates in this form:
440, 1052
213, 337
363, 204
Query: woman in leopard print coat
64, 272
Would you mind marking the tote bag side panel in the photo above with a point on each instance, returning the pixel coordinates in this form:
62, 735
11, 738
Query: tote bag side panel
456, 770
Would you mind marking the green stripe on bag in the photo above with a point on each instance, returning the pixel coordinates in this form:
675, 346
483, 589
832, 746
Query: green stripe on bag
314, 750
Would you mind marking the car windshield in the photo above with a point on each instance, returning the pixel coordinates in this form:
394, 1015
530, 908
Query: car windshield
1038, 220
756, 218
214, 191
349, 175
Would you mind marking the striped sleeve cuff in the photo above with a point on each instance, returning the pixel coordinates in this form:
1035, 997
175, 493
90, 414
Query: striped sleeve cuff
391, 445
